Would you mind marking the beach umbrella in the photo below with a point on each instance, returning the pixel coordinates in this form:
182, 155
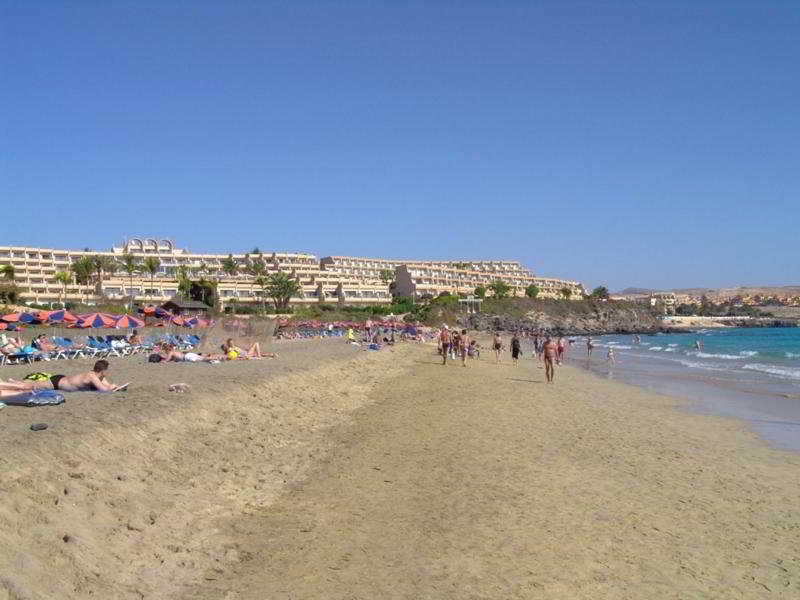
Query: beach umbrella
155, 311
61, 316
18, 318
127, 321
95, 320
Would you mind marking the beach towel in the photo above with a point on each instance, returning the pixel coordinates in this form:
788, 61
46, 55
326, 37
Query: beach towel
34, 398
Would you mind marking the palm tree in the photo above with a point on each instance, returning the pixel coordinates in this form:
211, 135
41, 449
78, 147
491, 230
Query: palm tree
151, 265
103, 265
258, 269
230, 267
263, 283
64, 278
281, 288
184, 282
8, 272
82, 269
128, 264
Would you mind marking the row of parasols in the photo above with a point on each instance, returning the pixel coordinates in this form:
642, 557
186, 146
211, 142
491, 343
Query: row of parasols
98, 320
314, 324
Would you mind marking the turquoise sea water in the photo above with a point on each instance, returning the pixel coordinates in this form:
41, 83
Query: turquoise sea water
751, 374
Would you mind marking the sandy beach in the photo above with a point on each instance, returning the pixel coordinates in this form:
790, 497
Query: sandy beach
335, 473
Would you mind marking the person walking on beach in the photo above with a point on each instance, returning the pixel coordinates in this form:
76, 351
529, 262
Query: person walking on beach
589, 346
515, 349
444, 339
539, 349
497, 346
561, 346
610, 355
455, 344
550, 349
464, 347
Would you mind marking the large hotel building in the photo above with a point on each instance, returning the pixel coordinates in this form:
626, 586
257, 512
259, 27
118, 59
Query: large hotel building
335, 278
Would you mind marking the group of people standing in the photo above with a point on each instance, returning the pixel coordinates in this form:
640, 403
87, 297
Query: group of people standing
547, 349
456, 344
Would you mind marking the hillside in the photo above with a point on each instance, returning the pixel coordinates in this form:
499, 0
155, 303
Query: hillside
577, 317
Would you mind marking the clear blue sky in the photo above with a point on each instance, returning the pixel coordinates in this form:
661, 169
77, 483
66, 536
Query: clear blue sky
650, 143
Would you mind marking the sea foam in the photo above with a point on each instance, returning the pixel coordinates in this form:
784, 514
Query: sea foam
785, 372
741, 355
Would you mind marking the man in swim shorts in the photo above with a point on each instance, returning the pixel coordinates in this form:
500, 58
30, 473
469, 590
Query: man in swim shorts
93, 381
550, 353
444, 339
497, 345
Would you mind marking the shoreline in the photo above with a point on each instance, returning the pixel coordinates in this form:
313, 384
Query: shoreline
767, 405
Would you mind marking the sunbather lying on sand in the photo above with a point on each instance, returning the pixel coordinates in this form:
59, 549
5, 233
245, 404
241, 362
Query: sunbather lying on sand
170, 354
93, 381
254, 351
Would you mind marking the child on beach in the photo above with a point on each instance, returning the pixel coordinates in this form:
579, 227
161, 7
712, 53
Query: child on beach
610, 355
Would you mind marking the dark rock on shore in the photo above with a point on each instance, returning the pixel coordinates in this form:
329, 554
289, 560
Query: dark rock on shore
597, 319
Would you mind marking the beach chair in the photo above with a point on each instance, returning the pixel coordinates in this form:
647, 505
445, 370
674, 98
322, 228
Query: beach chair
69, 349
59, 351
96, 348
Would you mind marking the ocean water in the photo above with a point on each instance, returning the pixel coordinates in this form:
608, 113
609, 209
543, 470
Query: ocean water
750, 374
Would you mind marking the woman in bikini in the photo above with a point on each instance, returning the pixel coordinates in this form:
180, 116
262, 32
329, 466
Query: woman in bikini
254, 351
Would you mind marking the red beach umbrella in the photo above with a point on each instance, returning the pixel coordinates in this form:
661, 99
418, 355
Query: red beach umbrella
61, 315
42, 315
127, 321
96, 320
18, 318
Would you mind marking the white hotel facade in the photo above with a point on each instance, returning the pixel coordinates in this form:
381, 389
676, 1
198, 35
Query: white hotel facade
350, 280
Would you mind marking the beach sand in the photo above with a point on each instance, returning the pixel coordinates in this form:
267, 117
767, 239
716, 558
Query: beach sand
333, 473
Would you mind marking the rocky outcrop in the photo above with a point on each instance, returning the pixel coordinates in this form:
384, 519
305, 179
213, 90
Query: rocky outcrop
586, 319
